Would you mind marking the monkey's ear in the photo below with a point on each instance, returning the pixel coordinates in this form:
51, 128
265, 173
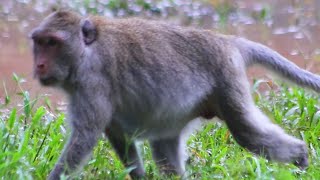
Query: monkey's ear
89, 31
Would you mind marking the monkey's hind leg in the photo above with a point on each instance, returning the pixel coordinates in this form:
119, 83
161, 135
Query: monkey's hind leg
169, 155
254, 131
127, 151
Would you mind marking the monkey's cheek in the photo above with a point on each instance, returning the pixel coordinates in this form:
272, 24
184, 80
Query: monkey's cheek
48, 81
35, 75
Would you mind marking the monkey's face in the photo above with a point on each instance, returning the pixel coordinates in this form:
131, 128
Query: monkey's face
58, 44
51, 63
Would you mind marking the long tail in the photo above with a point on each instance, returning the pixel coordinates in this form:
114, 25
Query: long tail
255, 53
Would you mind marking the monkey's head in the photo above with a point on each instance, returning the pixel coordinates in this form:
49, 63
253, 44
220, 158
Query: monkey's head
59, 43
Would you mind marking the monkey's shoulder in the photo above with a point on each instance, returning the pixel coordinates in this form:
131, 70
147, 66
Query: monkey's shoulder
136, 25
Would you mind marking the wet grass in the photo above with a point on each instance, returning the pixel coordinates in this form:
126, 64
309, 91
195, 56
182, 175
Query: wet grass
32, 138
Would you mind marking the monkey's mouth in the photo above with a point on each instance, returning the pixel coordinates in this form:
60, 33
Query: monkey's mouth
47, 81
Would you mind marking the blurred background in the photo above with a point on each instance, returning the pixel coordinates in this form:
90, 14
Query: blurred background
291, 27
31, 117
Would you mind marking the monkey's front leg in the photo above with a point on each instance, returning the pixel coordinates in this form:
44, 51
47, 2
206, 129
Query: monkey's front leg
75, 152
88, 120
169, 155
126, 150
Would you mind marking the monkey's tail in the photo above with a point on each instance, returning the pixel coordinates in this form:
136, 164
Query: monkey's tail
255, 53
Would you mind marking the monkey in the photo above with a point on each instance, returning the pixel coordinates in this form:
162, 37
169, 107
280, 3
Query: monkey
133, 79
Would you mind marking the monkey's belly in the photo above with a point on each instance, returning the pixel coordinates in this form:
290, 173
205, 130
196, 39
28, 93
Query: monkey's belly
143, 115
156, 128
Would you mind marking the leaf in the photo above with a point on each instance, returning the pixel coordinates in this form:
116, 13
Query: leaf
292, 111
16, 78
26, 100
37, 116
12, 118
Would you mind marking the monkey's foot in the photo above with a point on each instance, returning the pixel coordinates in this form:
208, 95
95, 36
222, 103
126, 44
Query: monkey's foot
285, 148
56, 172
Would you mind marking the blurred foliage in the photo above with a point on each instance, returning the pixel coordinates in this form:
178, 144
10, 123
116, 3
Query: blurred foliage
212, 10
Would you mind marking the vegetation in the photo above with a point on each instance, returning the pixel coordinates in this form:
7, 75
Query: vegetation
33, 133
32, 138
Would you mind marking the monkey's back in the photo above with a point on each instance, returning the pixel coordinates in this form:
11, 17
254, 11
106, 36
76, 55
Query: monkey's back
164, 72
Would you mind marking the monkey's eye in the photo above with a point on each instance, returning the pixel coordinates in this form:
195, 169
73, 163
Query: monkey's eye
46, 42
51, 42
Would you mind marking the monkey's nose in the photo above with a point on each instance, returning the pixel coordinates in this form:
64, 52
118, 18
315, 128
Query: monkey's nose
41, 69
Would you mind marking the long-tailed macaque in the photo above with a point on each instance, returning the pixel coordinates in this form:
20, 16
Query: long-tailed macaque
149, 80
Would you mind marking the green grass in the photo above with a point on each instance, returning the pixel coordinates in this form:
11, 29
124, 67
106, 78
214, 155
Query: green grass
32, 138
